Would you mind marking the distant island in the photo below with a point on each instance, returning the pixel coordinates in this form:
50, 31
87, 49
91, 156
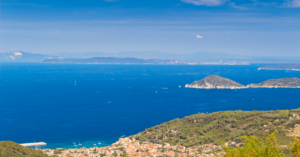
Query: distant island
215, 82
295, 67
278, 83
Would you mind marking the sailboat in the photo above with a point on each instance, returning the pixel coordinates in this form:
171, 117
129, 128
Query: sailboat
74, 143
99, 142
79, 143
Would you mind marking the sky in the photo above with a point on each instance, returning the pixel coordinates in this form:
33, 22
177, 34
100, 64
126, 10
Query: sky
243, 27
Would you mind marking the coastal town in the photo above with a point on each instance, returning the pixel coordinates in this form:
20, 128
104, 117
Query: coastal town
128, 147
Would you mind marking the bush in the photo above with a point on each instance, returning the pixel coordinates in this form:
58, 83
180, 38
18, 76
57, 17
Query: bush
255, 148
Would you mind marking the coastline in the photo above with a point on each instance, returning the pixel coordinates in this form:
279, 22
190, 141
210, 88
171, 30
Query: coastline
217, 87
70, 145
199, 87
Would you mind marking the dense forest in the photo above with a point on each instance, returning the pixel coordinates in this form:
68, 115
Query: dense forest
223, 126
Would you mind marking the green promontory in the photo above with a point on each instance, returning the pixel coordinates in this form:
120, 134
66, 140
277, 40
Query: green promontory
224, 126
278, 83
215, 82
12, 149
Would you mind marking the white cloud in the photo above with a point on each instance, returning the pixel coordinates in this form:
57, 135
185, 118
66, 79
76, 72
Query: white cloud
199, 36
238, 7
205, 2
292, 3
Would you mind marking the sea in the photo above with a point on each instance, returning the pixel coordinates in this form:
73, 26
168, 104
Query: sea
93, 105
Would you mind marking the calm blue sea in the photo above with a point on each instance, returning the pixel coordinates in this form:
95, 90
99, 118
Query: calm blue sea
42, 102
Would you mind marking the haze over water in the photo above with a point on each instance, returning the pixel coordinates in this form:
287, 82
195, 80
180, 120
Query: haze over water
42, 102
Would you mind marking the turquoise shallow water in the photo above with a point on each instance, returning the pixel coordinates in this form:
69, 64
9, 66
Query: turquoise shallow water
42, 102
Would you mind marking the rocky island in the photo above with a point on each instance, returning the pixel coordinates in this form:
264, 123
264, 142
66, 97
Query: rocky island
278, 83
295, 67
215, 82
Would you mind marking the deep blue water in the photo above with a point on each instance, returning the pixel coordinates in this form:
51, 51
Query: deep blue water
42, 102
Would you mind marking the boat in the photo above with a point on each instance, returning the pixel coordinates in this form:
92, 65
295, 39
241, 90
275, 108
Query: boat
94, 144
79, 143
99, 142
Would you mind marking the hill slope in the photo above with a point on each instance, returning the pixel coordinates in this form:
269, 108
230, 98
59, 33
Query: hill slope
215, 82
278, 83
223, 126
12, 149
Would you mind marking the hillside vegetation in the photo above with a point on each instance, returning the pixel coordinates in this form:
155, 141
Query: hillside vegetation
284, 82
12, 149
224, 126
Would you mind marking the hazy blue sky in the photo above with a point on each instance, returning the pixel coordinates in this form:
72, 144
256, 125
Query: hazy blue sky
246, 27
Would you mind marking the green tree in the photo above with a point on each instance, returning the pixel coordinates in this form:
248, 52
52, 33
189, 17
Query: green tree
296, 147
114, 154
124, 154
58, 151
255, 148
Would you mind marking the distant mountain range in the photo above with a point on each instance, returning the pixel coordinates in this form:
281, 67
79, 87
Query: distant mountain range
150, 57
113, 60
195, 57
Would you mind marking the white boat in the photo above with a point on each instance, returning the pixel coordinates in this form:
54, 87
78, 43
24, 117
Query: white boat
94, 144
179, 86
99, 142
79, 143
